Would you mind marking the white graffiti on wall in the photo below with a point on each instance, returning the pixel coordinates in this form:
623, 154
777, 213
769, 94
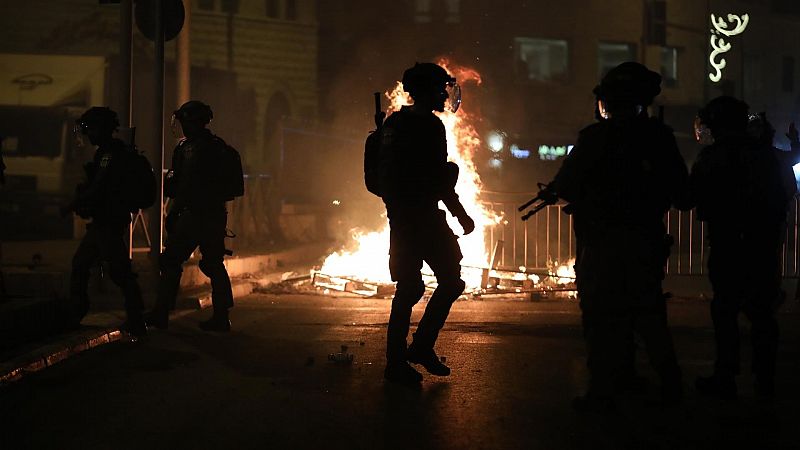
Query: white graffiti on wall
718, 43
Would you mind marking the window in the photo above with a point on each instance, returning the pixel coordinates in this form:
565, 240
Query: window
453, 11
272, 9
541, 59
669, 66
422, 11
207, 5
610, 55
291, 10
788, 74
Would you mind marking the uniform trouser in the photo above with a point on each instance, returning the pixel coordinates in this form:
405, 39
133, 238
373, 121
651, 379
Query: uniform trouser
436, 245
608, 334
193, 230
745, 281
104, 242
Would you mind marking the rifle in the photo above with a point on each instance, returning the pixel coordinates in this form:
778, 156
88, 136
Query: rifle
547, 196
379, 115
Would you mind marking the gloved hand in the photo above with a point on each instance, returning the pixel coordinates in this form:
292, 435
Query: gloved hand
793, 135
466, 223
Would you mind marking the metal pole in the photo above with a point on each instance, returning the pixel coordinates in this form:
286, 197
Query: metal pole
183, 56
126, 79
126, 61
156, 220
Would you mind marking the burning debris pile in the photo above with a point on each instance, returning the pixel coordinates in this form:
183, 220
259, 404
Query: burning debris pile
362, 267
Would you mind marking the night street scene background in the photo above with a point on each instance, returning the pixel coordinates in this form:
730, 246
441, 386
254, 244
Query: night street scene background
295, 87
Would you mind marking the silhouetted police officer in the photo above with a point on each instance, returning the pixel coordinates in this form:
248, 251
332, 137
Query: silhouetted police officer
101, 199
414, 177
620, 179
737, 185
197, 217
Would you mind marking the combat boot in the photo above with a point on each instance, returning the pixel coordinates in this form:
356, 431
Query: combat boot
135, 327
219, 321
427, 358
158, 318
401, 372
720, 386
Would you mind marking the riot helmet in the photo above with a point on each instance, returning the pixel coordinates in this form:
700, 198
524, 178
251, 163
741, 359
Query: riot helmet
724, 115
193, 113
629, 87
431, 79
97, 123
760, 129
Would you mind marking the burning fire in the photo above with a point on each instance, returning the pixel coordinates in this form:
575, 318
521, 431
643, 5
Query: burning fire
369, 259
564, 272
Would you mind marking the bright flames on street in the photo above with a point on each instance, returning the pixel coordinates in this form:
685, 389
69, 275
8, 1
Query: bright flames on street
369, 257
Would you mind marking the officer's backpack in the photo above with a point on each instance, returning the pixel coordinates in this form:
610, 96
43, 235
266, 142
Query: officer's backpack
232, 175
139, 182
372, 151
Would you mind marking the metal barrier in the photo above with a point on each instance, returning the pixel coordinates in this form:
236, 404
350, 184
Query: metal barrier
548, 237
249, 217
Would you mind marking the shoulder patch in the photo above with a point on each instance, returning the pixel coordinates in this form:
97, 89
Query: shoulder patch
105, 161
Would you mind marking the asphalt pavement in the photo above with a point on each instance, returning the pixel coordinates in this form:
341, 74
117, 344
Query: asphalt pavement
270, 385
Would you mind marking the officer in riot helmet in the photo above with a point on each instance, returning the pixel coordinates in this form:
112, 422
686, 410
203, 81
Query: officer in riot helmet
414, 177
734, 171
622, 176
197, 215
100, 198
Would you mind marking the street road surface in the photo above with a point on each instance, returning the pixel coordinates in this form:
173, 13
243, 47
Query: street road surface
269, 385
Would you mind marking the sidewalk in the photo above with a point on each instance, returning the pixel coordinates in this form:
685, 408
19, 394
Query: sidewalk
29, 342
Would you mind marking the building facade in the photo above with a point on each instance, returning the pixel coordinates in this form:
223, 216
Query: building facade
254, 61
539, 61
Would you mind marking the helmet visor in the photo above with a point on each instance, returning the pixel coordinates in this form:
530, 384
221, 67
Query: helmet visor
78, 133
702, 134
175, 127
453, 96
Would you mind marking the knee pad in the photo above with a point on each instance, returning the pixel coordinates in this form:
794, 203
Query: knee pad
453, 288
409, 291
211, 269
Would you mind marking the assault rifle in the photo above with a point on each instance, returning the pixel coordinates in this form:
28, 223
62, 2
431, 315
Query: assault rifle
547, 196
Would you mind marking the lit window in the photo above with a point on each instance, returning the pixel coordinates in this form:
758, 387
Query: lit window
610, 55
272, 8
205, 4
422, 11
453, 11
541, 59
553, 152
669, 66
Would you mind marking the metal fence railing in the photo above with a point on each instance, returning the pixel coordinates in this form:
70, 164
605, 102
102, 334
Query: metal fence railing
548, 237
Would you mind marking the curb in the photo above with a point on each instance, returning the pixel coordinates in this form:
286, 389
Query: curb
51, 354
17, 368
